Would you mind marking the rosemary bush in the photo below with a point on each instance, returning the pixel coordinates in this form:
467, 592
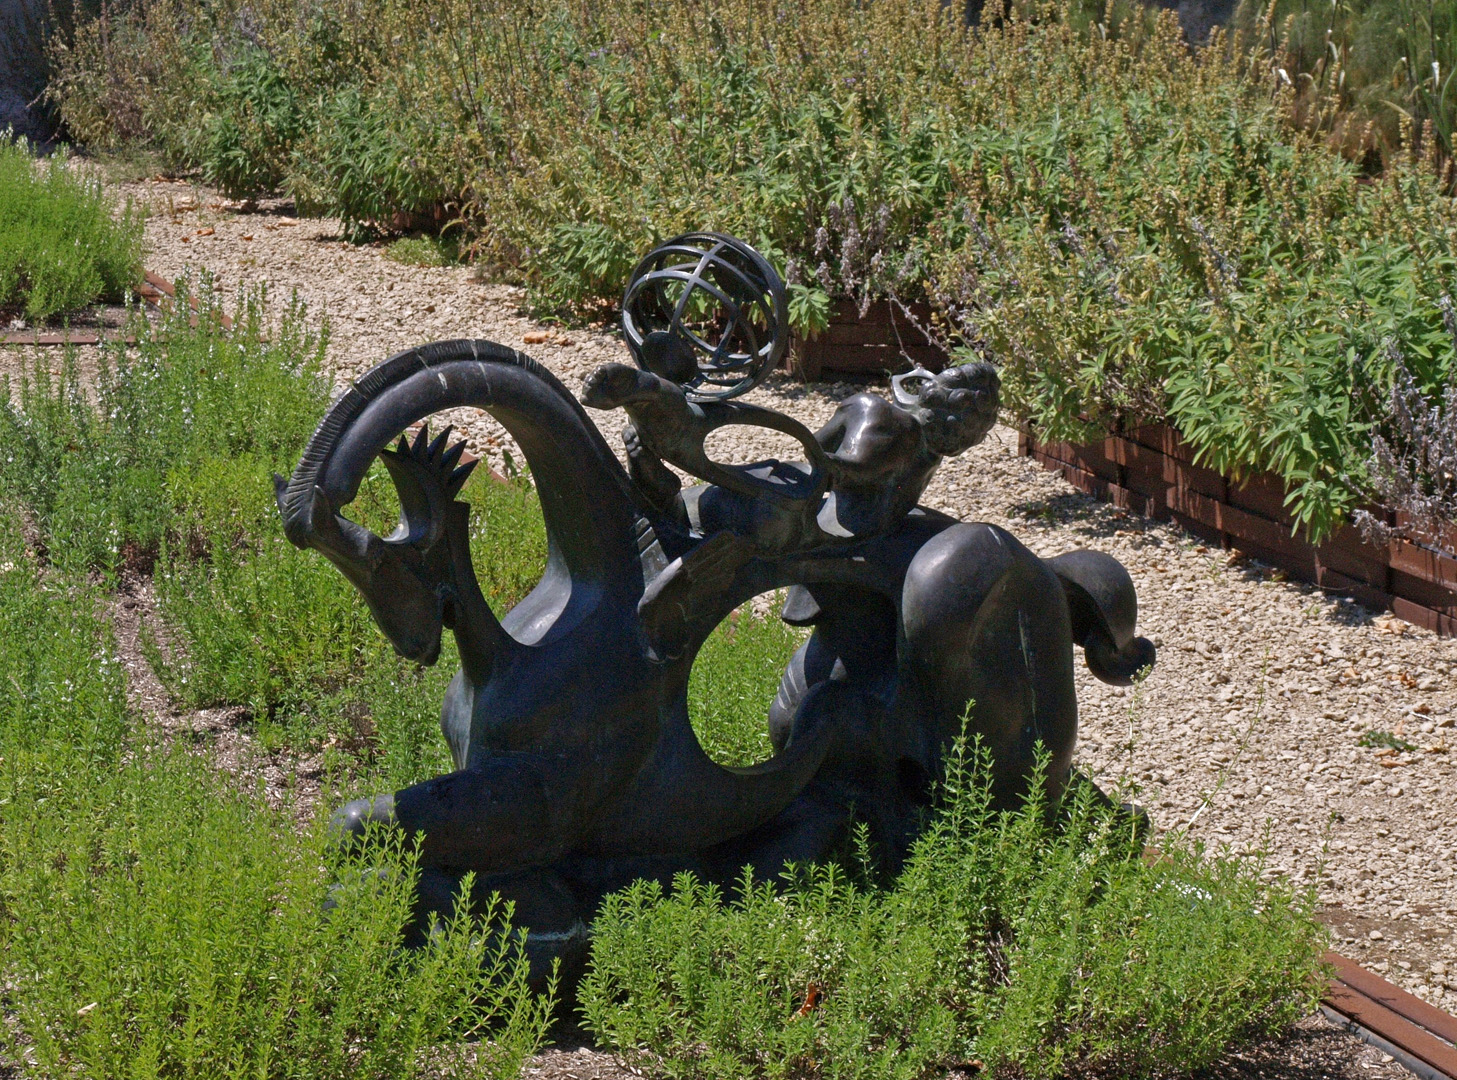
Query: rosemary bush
159, 916
1038, 944
62, 246
159, 922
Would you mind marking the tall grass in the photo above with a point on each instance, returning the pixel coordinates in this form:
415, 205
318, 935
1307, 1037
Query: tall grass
62, 245
184, 430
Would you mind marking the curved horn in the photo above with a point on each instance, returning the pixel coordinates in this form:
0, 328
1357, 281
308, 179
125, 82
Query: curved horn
586, 497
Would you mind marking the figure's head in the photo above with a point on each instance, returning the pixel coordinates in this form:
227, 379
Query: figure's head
956, 408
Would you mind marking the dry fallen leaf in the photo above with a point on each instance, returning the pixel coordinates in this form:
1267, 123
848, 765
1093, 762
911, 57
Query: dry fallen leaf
287, 221
205, 232
247, 236
187, 239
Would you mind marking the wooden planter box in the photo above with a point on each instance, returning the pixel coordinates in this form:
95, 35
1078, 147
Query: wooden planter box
884, 342
1151, 471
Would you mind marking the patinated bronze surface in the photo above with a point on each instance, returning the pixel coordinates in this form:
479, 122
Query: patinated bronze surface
577, 769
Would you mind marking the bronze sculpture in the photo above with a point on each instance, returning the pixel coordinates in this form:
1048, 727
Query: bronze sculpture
577, 768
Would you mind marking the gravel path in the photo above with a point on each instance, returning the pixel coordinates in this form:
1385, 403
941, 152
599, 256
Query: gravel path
1250, 726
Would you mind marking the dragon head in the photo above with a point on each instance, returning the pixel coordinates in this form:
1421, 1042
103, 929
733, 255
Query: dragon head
407, 578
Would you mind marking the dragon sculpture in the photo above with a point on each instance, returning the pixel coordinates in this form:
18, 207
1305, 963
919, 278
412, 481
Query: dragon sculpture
576, 766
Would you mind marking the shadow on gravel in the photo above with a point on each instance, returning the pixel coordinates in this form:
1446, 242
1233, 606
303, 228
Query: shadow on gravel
1076, 512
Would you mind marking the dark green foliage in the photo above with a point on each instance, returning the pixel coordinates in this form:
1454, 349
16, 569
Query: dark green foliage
369, 162
1039, 944
62, 246
253, 121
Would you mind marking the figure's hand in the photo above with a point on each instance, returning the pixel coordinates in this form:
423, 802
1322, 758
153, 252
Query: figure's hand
613, 385
632, 441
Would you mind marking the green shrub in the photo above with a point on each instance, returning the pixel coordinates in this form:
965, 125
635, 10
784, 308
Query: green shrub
1229, 277
64, 683
423, 251
369, 162
1038, 944
251, 127
61, 244
187, 404
261, 624
161, 923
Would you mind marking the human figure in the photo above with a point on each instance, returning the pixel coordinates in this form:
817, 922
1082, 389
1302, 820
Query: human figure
883, 453
880, 454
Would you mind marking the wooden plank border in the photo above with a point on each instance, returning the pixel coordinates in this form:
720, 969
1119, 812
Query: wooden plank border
154, 290
1150, 471
1417, 1033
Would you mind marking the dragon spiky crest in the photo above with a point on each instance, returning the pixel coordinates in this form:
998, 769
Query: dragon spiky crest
427, 478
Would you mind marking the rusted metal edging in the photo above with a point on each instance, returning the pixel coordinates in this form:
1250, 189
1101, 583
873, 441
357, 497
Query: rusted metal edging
1417, 1034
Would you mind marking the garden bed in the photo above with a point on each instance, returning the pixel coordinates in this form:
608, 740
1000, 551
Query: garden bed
1219, 623
1151, 471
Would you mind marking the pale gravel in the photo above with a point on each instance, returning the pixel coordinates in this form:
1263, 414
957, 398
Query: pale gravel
1248, 725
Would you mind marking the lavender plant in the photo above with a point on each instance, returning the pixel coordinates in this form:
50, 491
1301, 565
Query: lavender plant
1413, 463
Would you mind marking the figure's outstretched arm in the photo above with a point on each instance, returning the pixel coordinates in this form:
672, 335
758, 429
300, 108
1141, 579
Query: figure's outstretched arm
658, 482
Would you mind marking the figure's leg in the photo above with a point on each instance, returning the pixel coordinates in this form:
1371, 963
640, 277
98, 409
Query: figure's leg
811, 664
507, 812
987, 622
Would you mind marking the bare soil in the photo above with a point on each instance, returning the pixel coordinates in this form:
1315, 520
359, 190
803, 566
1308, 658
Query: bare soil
1247, 735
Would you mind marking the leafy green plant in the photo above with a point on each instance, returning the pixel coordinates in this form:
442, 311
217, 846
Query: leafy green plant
252, 124
233, 635
375, 165
1037, 943
1383, 740
159, 922
62, 245
423, 251
64, 691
